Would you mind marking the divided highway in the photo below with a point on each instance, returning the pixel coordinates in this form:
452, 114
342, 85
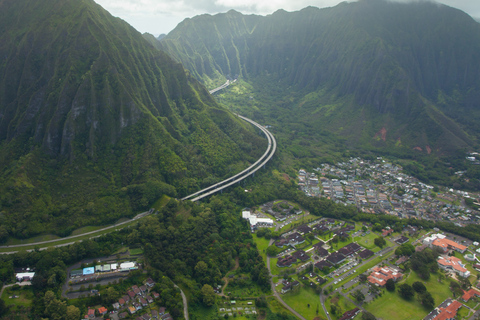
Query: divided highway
272, 147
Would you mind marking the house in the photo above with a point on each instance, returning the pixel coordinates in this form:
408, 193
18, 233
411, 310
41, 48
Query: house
121, 302
453, 264
143, 302
467, 295
132, 309
154, 314
167, 316
123, 315
281, 243
322, 264
286, 261
295, 238
348, 315
143, 289
336, 258
131, 294
350, 249
380, 275
155, 295
137, 291
402, 240
401, 260
150, 283
137, 306
447, 310
304, 229
146, 316
161, 311
321, 251
102, 310
365, 254
289, 286
91, 313
126, 298
149, 299
386, 232
446, 244
300, 255
116, 305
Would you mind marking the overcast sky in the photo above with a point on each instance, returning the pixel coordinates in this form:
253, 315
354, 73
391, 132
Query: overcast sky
161, 16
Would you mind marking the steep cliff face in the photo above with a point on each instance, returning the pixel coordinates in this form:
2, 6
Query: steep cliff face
91, 113
398, 64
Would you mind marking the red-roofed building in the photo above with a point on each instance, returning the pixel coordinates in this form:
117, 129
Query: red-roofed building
91, 313
453, 264
102, 310
467, 295
386, 232
446, 311
446, 244
380, 275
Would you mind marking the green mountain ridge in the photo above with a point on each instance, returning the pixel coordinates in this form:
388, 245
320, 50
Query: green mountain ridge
412, 67
96, 124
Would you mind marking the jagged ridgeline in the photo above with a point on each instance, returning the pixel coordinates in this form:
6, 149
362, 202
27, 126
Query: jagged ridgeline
380, 73
96, 124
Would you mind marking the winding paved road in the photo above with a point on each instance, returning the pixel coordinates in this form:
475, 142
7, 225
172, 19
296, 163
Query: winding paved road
272, 147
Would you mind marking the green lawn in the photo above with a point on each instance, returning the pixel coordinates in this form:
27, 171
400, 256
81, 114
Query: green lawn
25, 296
464, 313
439, 291
262, 245
277, 307
367, 241
135, 252
299, 299
161, 202
392, 306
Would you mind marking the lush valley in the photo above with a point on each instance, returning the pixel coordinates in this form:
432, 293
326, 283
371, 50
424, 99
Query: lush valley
96, 124
384, 76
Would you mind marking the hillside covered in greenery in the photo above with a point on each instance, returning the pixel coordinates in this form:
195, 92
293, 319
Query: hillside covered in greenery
96, 124
382, 75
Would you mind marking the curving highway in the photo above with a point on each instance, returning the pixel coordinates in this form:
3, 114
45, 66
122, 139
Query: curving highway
272, 147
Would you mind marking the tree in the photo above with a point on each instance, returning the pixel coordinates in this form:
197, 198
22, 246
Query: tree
380, 242
73, 313
333, 309
358, 295
273, 250
427, 300
406, 291
390, 285
3, 307
201, 268
363, 278
405, 249
208, 295
419, 287
465, 283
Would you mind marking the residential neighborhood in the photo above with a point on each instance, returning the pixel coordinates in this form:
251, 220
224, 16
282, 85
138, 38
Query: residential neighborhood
381, 187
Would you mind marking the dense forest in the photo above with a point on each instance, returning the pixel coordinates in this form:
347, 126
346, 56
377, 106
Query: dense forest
95, 124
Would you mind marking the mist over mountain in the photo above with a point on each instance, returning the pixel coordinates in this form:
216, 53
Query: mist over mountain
96, 124
381, 74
